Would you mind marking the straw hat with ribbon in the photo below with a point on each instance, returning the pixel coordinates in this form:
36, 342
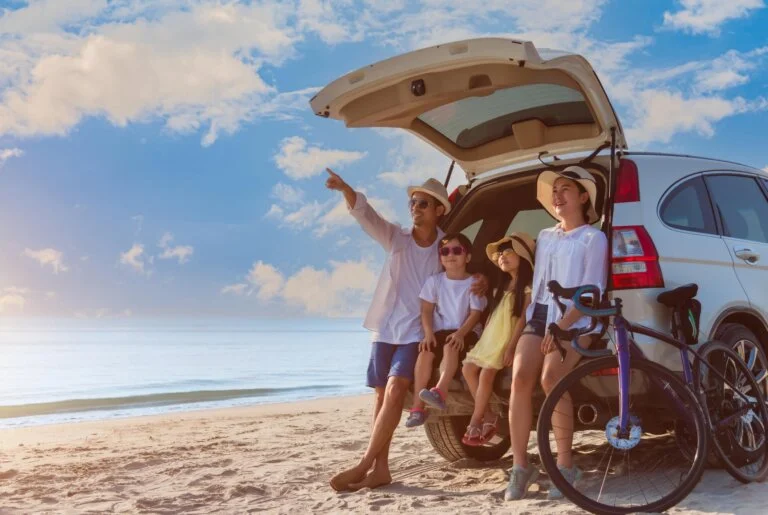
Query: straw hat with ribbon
547, 179
521, 243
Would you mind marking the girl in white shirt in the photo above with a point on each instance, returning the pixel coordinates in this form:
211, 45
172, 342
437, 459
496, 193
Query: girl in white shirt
450, 316
573, 253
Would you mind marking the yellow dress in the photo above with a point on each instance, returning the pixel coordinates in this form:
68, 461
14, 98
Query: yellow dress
489, 350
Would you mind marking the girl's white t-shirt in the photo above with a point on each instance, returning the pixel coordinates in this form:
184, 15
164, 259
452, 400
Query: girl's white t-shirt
453, 301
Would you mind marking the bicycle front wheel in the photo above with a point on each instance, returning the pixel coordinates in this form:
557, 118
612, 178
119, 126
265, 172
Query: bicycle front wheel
736, 411
649, 469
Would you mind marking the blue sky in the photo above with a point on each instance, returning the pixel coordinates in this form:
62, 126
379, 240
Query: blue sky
160, 157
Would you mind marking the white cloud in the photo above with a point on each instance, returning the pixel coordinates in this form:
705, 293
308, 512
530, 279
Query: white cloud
14, 298
275, 211
179, 252
11, 301
765, 169
266, 280
412, 161
663, 114
7, 153
344, 289
48, 15
706, 16
192, 67
134, 258
48, 257
16, 289
341, 291
287, 194
299, 161
235, 289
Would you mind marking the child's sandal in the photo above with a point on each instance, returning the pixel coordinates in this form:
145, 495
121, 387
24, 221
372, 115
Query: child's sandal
473, 437
416, 418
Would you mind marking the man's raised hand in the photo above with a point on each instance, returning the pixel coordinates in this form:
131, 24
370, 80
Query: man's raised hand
334, 182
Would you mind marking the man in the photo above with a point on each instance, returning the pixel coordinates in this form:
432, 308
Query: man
394, 315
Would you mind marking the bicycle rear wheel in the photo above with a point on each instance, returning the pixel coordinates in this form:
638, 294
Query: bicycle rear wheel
647, 471
736, 411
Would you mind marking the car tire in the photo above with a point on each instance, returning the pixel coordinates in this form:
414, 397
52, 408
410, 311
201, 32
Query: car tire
744, 342
747, 345
445, 433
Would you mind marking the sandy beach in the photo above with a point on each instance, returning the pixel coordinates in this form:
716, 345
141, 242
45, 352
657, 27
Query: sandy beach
272, 458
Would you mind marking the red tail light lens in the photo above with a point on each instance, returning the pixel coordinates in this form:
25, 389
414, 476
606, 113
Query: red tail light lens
634, 259
627, 184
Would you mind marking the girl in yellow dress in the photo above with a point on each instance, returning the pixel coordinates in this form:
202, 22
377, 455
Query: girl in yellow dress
514, 255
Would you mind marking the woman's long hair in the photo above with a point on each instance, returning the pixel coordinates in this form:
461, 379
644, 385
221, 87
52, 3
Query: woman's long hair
523, 279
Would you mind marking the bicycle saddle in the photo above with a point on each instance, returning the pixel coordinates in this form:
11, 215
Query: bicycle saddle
678, 296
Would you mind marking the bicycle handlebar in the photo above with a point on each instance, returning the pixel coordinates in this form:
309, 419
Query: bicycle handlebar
575, 294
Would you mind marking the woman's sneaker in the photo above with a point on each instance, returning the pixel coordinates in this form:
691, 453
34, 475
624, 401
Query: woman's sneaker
571, 475
520, 480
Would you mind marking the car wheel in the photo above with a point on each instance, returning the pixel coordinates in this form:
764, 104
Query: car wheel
445, 433
747, 345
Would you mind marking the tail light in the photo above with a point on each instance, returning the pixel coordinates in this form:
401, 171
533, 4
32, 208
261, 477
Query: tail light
634, 260
627, 184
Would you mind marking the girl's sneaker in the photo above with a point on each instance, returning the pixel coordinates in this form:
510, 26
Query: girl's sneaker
416, 418
520, 480
434, 398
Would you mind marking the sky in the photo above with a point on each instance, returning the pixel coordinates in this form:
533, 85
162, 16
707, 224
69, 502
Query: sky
160, 158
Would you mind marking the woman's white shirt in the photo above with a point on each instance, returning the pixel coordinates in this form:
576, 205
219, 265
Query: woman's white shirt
572, 258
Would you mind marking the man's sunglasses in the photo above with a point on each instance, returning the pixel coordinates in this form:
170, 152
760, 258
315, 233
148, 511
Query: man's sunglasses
456, 251
419, 202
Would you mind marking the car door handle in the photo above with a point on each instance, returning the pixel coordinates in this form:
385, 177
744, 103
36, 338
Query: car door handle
747, 254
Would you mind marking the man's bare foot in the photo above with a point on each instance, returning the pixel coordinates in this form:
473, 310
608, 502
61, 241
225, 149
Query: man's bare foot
343, 480
374, 479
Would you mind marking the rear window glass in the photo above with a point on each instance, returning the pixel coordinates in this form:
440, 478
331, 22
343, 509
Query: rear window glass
688, 208
474, 121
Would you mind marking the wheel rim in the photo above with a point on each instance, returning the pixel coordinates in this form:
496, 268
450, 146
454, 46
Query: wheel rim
749, 353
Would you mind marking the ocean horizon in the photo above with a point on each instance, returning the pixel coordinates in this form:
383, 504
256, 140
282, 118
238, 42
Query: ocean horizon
69, 370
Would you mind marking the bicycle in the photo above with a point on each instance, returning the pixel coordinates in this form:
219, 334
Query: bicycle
665, 447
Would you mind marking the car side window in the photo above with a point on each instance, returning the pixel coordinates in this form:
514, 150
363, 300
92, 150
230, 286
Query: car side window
688, 208
742, 206
470, 231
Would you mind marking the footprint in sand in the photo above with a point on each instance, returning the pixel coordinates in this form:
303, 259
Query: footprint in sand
243, 490
135, 465
9, 474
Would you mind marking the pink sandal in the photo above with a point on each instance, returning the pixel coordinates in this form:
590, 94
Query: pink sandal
489, 429
473, 437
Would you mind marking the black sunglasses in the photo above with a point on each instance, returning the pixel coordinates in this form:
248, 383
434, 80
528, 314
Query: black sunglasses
419, 202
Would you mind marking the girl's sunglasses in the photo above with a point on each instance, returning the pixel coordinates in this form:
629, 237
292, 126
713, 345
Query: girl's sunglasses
456, 251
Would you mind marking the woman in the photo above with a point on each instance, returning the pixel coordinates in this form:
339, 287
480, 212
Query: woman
572, 253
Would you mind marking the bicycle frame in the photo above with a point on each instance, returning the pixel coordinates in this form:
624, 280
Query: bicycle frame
625, 351
626, 348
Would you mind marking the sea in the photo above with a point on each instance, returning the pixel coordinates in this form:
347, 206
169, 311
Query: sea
68, 370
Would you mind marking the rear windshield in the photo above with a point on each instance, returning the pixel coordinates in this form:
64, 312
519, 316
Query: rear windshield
474, 121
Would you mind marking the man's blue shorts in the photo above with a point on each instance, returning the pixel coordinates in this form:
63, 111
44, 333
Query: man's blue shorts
391, 360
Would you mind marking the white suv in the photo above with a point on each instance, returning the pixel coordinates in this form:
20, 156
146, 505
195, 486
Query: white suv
504, 112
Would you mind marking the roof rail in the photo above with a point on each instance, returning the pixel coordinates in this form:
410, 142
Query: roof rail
665, 154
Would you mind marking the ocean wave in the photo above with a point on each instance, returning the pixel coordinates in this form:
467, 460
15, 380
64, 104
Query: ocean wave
148, 400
